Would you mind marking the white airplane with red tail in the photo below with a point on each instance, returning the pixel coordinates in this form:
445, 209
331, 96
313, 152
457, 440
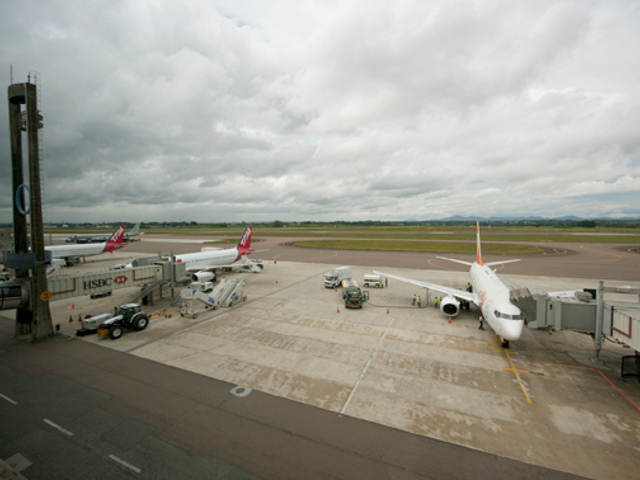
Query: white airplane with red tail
71, 252
489, 293
202, 265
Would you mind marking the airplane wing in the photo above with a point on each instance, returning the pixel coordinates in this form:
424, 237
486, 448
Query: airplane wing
454, 292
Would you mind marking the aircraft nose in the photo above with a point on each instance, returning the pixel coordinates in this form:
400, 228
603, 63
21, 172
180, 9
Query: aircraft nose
513, 331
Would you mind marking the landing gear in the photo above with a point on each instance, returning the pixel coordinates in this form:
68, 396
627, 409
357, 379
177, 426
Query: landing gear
505, 343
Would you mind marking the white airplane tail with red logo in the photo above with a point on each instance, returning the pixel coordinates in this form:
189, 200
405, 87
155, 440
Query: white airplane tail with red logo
244, 245
115, 240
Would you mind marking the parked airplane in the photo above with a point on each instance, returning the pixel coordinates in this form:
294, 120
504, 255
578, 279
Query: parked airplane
72, 252
102, 237
489, 293
202, 265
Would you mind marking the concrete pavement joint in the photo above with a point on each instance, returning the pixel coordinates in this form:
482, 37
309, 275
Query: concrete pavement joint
365, 367
219, 314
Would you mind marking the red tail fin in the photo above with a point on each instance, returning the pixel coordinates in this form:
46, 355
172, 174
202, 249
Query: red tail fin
115, 240
244, 245
478, 252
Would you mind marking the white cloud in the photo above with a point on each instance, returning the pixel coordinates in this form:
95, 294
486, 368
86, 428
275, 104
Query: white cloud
218, 111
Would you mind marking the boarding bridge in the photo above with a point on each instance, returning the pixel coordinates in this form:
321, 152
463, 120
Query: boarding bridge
87, 283
17, 293
586, 311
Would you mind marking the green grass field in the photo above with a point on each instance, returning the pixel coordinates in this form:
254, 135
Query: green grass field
434, 247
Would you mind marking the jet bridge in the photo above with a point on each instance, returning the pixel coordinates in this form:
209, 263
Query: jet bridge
585, 311
17, 292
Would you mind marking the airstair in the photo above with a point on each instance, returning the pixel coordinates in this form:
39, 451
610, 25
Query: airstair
227, 293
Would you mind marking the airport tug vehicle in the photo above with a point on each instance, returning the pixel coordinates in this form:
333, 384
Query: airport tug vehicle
126, 316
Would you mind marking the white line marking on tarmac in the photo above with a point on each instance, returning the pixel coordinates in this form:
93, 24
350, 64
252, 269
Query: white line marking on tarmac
8, 399
55, 425
365, 367
125, 464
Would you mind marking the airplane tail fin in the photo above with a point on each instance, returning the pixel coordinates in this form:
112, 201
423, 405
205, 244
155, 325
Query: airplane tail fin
478, 251
115, 240
135, 230
56, 264
244, 245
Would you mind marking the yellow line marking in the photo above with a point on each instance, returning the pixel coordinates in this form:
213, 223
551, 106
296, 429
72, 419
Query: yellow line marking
513, 368
519, 371
615, 255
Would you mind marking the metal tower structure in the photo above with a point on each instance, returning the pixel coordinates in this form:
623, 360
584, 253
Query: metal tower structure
33, 322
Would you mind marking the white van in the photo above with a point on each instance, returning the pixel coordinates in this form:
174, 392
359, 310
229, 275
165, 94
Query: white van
373, 281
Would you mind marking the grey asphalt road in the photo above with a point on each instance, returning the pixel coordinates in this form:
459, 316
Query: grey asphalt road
161, 422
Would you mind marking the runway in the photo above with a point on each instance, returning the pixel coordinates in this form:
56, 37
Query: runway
574, 260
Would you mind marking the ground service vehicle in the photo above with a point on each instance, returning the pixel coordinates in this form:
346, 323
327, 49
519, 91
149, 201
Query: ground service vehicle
126, 316
205, 287
352, 295
373, 281
334, 277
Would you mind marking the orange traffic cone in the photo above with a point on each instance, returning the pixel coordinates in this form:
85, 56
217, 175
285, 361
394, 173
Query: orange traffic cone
338, 310
387, 311
79, 318
73, 306
550, 332
276, 281
70, 319
275, 262
449, 319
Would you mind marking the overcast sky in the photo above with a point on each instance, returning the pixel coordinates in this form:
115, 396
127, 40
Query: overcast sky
330, 110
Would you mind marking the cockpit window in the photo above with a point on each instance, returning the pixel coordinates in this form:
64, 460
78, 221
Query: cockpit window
506, 316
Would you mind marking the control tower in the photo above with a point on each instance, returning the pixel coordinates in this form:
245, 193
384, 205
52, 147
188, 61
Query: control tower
33, 320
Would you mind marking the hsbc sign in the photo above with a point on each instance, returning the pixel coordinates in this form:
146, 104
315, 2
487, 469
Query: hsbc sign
84, 284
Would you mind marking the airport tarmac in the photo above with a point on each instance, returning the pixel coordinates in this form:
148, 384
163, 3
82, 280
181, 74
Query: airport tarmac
542, 402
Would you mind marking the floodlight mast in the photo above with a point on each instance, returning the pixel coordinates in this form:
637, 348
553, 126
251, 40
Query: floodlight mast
33, 321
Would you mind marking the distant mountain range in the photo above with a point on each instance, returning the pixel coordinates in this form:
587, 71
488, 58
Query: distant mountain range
471, 218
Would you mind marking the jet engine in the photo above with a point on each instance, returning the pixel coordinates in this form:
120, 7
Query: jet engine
203, 277
450, 306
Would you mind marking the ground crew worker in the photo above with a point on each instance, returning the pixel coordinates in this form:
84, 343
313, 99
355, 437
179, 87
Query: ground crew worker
419, 306
435, 302
481, 327
414, 299
386, 282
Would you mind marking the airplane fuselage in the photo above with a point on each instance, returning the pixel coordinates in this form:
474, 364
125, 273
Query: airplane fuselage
208, 259
494, 301
76, 251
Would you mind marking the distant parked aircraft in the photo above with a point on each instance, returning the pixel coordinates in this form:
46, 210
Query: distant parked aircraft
72, 252
102, 237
